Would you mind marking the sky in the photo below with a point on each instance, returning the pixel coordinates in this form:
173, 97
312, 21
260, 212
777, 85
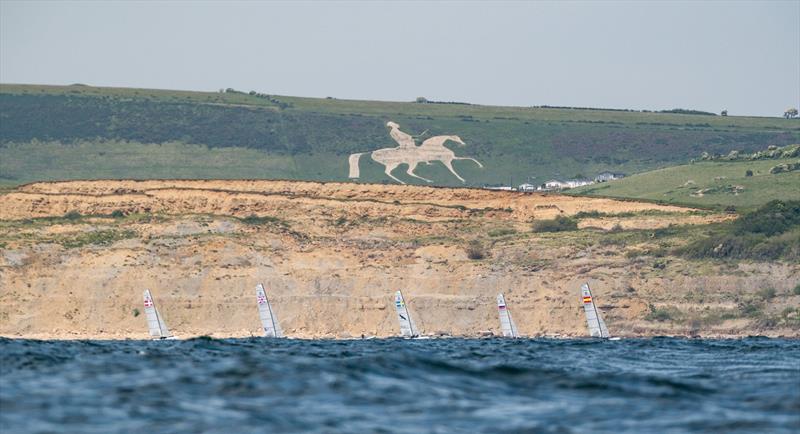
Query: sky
741, 56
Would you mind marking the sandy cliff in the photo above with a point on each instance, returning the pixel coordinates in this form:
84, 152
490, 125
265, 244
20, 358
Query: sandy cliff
332, 254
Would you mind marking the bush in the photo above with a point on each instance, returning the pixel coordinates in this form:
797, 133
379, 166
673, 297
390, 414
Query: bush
750, 309
99, 238
750, 246
499, 232
475, 250
589, 214
659, 314
255, 220
682, 111
748, 172
769, 233
135, 312
617, 228
73, 215
117, 214
558, 224
775, 217
796, 290
766, 293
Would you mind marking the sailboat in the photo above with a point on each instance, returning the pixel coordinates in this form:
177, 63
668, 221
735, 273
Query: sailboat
597, 327
268, 320
407, 328
155, 322
507, 325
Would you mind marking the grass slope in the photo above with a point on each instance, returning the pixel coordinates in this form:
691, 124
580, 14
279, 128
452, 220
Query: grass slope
69, 132
713, 184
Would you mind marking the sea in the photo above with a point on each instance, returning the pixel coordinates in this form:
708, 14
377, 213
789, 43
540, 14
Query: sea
254, 385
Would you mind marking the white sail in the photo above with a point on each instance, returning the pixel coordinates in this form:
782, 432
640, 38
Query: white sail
155, 322
268, 320
597, 327
407, 329
507, 325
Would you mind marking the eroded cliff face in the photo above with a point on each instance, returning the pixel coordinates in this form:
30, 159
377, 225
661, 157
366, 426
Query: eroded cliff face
332, 255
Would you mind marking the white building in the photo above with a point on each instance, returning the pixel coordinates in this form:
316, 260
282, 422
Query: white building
608, 176
554, 184
527, 188
574, 183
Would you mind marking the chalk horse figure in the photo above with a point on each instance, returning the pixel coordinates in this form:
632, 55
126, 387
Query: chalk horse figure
409, 153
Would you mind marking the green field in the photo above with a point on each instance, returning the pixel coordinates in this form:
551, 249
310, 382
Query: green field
712, 184
78, 132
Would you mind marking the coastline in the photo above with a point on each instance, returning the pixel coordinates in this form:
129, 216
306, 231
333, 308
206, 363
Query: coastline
76, 256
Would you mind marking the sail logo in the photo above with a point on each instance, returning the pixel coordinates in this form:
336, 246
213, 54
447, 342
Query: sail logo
587, 299
148, 302
261, 299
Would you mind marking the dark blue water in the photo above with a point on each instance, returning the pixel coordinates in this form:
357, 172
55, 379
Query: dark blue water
453, 385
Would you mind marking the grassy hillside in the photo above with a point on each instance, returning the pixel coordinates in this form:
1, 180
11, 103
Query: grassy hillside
63, 132
712, 184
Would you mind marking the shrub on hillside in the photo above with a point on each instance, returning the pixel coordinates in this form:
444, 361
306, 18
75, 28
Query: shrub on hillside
589, 214
681, 111
771, 232
255, 220
499, 232
73, 215
475, 250
767, 293
774, 217
558, 224
660, 314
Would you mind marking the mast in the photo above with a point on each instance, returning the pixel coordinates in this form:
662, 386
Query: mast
272, 317
158, 318
507, 326
269, 323
513, 326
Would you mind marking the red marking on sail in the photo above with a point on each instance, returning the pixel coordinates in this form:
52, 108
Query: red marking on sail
587, 299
